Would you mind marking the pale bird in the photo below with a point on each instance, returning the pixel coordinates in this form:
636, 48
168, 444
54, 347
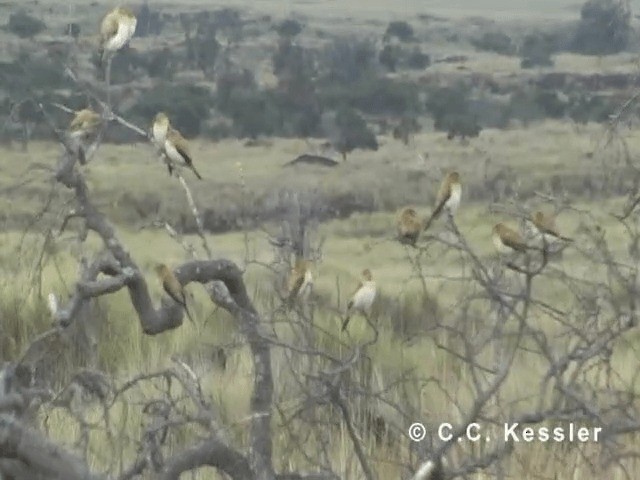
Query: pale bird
116, 29
507, 240
545, 227
177, 149
409, 226
173, 287
159, 129
362, 299
300, 281
448, 197
83, 125
52, 304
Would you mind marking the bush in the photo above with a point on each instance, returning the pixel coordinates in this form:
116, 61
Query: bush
536, 51
401, 30
498, 42
187, 105
347, 60
585, 107
449, 107
24, 25
372, 95
418, 60
604, 28
389, 57
353, 132
289, 28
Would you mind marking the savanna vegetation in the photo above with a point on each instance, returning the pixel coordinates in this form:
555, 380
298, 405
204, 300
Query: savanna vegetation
102, 376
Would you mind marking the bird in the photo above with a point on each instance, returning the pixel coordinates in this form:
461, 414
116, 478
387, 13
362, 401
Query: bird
117, 28
159, 129
448, 197
409, 226
83, 125
300, 281
546, 228
173, 287
507, 240
177, 149
362, 299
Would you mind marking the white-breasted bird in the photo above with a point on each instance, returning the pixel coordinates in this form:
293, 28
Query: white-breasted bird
116, 29
83, 125
545, 226
409, 225
177, 149
448, 197
159, 129
362, 299
508, 241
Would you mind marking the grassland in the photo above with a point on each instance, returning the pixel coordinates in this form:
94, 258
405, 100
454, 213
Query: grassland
351, 244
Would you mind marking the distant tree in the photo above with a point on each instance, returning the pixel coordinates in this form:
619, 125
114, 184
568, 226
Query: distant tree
149, 22
353, 132
389, 57
347, 60
401, 30
289, 28
406, 128
24, 25
604, 28
449, 107
418, 60
536, 51
498, 42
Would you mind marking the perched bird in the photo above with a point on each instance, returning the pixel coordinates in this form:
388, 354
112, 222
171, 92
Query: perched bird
116, 29
177, 149
159, 129
448, 197
83, 125
173, 287
409, 226
362, 299
546, 228
507, 241
300, 281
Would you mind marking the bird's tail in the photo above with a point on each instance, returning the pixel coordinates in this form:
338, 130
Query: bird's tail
345, 322
196, 172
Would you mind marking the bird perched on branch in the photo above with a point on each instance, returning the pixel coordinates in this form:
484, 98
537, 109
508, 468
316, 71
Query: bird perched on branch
177, 149
546, 228
409, 226
83, 125
173, 287
117, 28
362, 299
448, 197
300, 281
159, 129
508, 241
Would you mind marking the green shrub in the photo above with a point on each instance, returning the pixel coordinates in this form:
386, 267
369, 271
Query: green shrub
604, 28
24, 25
401, 30
372, 95
353, 132
536, 51
498, 42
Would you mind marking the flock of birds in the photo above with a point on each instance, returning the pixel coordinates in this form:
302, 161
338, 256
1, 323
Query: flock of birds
118, 27
506, 240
